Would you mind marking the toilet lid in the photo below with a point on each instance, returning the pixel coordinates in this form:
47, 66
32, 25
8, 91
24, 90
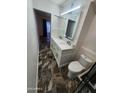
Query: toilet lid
75, 66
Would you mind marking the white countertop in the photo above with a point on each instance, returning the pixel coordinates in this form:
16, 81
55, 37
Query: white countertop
61, 43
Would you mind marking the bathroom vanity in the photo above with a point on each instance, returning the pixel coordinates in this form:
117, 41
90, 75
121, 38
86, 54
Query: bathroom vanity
63, 52
63, 29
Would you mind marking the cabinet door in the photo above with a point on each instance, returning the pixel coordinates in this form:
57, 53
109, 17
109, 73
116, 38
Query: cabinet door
56, 51
66, 59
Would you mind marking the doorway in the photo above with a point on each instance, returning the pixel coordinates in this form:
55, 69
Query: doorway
47, 31
43, 21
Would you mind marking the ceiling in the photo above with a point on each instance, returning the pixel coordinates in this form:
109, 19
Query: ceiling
58, 2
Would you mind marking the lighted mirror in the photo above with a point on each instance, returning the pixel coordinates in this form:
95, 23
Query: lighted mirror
70, 10
65, 24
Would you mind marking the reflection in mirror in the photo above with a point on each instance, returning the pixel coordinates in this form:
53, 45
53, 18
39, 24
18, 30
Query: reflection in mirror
70, 28
58, 26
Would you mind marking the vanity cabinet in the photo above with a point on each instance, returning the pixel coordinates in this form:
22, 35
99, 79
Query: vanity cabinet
62, 52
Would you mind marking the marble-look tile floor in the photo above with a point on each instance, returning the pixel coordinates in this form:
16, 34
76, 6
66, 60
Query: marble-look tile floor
50, 78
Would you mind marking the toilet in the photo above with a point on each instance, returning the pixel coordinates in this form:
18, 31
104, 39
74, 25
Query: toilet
77, 67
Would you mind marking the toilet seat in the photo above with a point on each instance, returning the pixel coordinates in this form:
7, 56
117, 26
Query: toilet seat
75, 67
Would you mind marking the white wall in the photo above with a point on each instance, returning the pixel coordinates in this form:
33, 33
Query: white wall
81, 23
89, 44
86, 38
46, 6
90, 39
32, 48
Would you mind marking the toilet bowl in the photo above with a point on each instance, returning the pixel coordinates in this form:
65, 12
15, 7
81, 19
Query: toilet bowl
78, 67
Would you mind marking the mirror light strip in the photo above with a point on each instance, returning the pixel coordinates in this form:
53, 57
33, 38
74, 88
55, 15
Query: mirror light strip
73, 9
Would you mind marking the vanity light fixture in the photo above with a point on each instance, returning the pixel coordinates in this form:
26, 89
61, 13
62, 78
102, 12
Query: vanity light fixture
73, 9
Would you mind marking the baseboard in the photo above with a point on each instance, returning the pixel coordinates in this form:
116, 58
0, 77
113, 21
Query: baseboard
88, 52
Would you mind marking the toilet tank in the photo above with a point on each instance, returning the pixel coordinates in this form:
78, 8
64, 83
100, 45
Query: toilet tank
85, 61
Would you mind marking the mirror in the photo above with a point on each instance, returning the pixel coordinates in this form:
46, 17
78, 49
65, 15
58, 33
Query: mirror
64, 25
71, 11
